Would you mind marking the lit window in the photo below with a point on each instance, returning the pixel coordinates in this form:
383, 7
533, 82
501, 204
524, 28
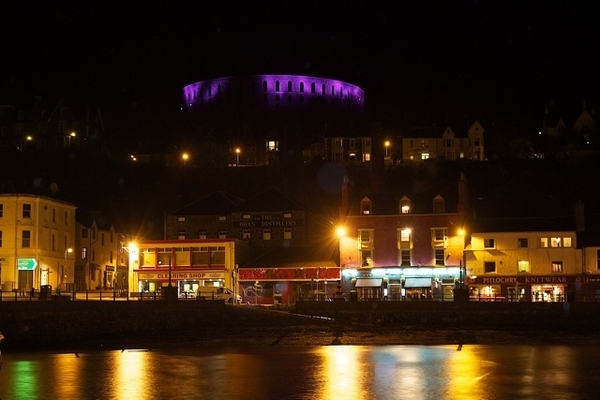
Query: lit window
266, 235
287, 215
246, 216
180, 219
543, 242
555, 242
567, 242
557, 266
523, 266
246, 234
287, 234
272, 145
424, 156
405, 209
222, 218
405, 235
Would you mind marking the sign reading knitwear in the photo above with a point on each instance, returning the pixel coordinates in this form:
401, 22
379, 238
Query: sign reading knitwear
26, 264
180, 275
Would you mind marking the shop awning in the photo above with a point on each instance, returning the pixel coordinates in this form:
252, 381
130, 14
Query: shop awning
417, 282
368, 282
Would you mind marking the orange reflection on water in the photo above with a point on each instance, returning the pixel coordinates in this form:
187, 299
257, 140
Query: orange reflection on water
340, 372
133, 374
67, 375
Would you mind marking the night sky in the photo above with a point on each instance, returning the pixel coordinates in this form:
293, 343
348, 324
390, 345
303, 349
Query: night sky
419, 62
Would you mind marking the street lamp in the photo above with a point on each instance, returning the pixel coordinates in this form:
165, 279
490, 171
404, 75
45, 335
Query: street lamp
237, 156
386, 144
463, 262
340, 233
185, 157
63, 274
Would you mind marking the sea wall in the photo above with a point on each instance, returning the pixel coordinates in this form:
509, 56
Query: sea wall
34, 325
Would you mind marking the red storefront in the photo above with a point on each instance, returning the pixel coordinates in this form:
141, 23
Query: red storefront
287, 285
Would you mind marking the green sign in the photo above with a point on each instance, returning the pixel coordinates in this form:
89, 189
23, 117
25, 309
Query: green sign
28, 264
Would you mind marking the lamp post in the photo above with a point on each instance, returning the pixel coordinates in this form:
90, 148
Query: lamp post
185, 157
170, 285
340, 233
237, 156
386, 144
63, 274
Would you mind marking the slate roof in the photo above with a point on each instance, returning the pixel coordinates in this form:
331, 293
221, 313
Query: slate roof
295, 256
421, 198
525, 224
215, 203
270, 200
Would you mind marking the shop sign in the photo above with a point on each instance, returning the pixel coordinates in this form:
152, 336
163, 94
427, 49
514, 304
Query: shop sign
525, 280
267, 221
180, 275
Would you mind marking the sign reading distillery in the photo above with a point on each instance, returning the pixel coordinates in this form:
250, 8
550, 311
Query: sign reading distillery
268, 221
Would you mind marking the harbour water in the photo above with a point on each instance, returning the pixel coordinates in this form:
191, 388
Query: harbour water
321, 372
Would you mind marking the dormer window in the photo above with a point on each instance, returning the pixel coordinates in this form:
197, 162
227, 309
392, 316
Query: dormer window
366, 206
405, 205
439, 206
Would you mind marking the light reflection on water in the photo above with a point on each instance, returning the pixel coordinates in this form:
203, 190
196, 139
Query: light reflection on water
328, 372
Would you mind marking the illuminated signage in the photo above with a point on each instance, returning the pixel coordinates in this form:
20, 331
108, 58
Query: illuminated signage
26, 264
180, 275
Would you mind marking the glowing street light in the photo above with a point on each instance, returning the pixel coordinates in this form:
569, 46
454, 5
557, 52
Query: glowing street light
340, 232
185, 157
386, 144
237, 156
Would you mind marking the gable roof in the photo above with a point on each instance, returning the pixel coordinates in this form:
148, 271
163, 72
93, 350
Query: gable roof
297, 257
215, 203
270, 200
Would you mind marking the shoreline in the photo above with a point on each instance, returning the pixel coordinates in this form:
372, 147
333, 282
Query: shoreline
314, 336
